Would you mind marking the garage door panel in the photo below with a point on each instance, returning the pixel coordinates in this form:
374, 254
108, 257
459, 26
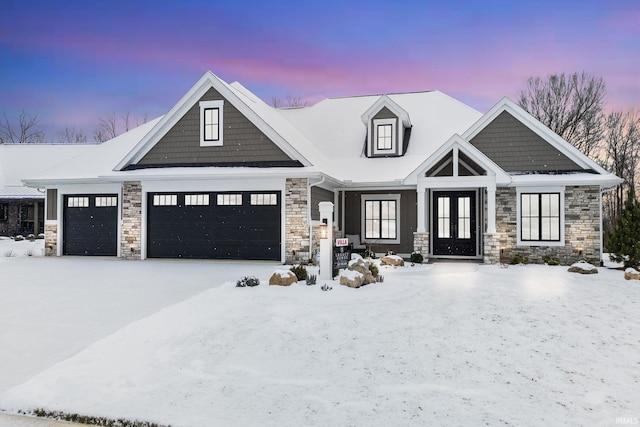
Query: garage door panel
214, 231
90, 228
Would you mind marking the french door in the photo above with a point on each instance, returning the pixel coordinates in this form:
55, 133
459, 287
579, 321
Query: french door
454, 223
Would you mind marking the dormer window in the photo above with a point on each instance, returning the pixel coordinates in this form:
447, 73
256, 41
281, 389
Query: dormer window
384, 136
211, 129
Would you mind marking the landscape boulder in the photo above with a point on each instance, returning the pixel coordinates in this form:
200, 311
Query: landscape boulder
351, 278
631, 274
583, 267
283, 278
393, 260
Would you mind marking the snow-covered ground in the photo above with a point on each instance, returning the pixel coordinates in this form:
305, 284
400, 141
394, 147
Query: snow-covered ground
444, 344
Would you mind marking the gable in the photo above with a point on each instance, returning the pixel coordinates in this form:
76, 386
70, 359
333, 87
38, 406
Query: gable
244, 144
445, 167
516, 148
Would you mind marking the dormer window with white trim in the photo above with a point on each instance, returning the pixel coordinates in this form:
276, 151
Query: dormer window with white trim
384, 136
211, 129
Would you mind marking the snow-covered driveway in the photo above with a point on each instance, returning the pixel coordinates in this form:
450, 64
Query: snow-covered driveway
52, 308
445, 344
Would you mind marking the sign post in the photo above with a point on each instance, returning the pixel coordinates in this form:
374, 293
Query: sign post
326, 241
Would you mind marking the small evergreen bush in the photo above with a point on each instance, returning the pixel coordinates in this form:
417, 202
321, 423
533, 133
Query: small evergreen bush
519, 259
18, 238
416, 257
374, 269
623, 240
300, 271
247, 281
550, 260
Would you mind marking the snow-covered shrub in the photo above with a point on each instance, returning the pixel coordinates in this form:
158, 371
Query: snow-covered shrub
18, 238
249, 281
550, 260
40, 236
519, 259
312, 279
379, 278
300, 271
31, 237
416, 257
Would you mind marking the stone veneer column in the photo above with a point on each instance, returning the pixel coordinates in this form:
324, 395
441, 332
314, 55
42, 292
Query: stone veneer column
296, 224
491, 246
421, 244
131, 239
50, 239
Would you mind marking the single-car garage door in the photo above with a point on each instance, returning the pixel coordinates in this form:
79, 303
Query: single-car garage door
90, 224
214, 225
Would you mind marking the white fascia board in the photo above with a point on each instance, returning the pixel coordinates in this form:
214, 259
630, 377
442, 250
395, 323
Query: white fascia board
603, 181
385, 101
506, 104
501, 177
208, 80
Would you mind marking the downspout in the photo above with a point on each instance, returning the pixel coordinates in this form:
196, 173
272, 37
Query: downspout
322, 179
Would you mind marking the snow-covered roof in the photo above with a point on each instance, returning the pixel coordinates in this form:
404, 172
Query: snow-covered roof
335, 126
20, 192
19, 161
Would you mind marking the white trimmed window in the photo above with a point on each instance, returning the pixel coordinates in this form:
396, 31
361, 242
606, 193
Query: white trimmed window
541, 216
165, 200
106, 201
229, 199
384, 136
3, 212
270, 199
78, 202
211, 124
196, 200
381, 218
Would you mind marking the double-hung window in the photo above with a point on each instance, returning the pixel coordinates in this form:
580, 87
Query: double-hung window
211, 123
381, 218
384, 136
541, 217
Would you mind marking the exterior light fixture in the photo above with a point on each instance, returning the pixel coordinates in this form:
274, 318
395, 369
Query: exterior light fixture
323, 229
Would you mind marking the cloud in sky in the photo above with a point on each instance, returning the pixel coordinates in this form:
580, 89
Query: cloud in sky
70, 62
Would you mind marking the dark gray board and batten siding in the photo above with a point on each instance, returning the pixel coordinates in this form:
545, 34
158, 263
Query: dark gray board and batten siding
318, 195
52, 204
516, 148
243, 142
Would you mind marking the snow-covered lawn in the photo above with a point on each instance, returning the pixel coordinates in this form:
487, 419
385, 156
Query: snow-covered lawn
444, 344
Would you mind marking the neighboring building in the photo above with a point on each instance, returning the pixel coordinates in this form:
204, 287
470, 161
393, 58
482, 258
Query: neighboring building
223, 175
21, 207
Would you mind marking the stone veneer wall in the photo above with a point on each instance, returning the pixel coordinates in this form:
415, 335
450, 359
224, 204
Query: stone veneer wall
581, 227
296, 224
421, 244
131, 220
50, 239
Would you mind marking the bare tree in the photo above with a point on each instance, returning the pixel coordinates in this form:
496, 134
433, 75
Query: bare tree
108, 127
23, 129
622, 151
570, 105
292, 101
71, 135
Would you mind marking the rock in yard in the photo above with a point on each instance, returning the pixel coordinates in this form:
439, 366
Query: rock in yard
351, 278
583, 267
394, 260
283, 278
631, 274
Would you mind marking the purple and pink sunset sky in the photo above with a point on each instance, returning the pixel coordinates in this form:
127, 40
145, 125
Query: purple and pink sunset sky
69, 62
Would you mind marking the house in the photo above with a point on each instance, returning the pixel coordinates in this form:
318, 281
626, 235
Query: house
223, 175
21, 207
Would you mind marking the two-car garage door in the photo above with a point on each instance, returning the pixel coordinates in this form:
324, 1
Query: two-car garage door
204, 225
214, 225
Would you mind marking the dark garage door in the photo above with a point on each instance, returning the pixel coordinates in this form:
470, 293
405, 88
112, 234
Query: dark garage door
90, 224
240, 225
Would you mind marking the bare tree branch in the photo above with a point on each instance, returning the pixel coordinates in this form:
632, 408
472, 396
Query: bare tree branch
23, 130
71, 135
293, 101
570, 105
107, 128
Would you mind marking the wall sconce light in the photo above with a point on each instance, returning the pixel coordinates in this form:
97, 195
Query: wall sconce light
580, 251
323, 229
501, 250
133, 250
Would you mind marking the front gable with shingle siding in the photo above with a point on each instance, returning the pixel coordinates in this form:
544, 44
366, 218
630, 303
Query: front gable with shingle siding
244, 144
516, 148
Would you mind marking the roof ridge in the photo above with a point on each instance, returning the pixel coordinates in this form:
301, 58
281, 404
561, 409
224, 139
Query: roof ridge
382, 94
